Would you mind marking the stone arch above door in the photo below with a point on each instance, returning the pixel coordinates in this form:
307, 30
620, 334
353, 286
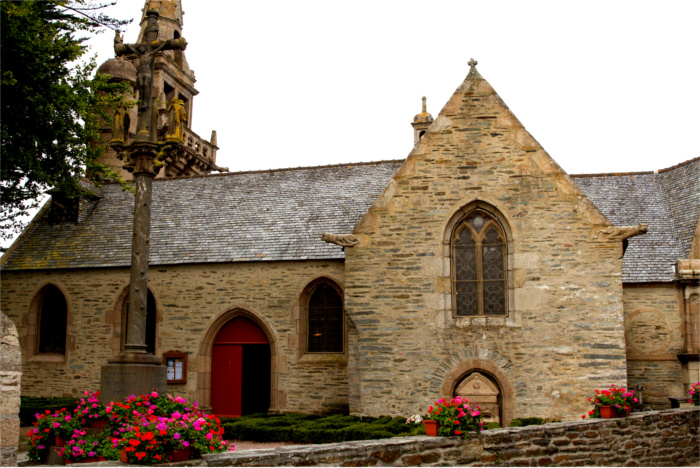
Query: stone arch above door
204, 358
459, 379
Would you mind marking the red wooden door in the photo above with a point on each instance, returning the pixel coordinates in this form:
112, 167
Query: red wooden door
227, 364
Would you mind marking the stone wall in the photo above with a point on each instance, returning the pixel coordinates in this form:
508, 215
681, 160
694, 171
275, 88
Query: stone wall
192, 301
563, 335
10, 379
653, 324
664, 438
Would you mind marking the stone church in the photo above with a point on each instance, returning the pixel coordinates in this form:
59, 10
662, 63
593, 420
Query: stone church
475, 267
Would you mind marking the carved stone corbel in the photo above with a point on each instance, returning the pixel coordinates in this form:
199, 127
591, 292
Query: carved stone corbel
620, 233
343, 240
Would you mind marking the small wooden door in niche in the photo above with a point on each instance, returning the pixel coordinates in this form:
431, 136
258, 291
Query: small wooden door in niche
481, 390
240, 369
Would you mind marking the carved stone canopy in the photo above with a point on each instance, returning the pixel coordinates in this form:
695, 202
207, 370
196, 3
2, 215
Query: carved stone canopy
478, 388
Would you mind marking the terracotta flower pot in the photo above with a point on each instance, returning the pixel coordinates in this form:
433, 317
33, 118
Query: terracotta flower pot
123, 456
99, 423
431, 428
607, 412
180, 454
60, 441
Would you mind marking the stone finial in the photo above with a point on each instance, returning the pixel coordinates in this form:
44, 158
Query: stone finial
472, 63
343, 240
425, 106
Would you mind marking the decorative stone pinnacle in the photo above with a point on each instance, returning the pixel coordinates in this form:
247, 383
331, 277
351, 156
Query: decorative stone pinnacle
473, 63
425, 108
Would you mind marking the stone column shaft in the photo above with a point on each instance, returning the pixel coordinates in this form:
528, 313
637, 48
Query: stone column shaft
140, 249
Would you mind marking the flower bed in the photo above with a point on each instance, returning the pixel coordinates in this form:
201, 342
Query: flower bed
694, 393
146, 429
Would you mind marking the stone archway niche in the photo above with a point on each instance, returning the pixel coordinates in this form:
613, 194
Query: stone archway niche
479, 389
463, 379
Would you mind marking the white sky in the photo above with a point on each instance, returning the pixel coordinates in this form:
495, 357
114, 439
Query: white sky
604, 86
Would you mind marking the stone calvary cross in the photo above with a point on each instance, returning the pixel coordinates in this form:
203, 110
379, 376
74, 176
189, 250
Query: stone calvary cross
135, 371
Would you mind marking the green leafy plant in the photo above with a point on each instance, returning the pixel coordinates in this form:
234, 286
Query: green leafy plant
620, 399
456, 417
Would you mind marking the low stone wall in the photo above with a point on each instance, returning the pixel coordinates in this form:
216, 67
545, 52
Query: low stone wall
658, 438
10, 377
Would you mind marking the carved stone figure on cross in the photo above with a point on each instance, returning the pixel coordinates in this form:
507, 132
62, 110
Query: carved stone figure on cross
146, 52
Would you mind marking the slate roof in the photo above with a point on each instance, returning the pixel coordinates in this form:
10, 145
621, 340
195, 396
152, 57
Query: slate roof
668, 201
247, 216
280, 215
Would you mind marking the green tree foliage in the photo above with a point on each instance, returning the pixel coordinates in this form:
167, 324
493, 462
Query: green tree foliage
51, 102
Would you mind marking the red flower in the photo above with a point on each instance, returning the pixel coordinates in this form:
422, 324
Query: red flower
134, 442
583, 416
458, 432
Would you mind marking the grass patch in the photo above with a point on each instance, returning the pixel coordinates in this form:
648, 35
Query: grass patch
315, 429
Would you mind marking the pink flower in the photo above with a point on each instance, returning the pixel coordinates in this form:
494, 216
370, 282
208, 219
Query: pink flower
176, 415
176, 435
185, 443
209, 434
154, 394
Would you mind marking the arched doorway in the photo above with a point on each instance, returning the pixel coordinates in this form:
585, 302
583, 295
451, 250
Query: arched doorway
479, 388
240, 369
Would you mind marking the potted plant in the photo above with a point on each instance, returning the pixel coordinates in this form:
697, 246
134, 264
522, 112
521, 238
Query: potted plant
84, 448
694, 394
613, 402
429, 424
91, 411
456, 417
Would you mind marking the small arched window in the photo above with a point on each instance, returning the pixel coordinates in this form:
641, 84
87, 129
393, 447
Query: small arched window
325, 320
479, 266
150, 323
53, 317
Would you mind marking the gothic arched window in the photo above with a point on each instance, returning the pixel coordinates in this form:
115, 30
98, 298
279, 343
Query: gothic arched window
53, 317
150, 323
325, 320
479, 266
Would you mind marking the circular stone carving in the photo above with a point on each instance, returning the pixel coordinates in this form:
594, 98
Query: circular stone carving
648, 331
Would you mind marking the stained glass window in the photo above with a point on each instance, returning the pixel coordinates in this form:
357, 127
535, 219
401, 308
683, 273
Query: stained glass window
325, 316
479, 266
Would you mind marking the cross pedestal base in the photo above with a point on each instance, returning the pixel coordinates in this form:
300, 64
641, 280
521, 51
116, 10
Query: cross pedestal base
128, 375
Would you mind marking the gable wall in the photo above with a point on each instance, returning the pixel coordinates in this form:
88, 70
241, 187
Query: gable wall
189, 300
564, 333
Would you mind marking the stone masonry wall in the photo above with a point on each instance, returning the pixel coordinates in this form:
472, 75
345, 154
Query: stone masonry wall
564, 332
653, 324
189, 300
10, 379
666, 438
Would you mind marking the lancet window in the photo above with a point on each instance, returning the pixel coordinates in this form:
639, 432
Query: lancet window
325, 320
479, 266
53, 317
